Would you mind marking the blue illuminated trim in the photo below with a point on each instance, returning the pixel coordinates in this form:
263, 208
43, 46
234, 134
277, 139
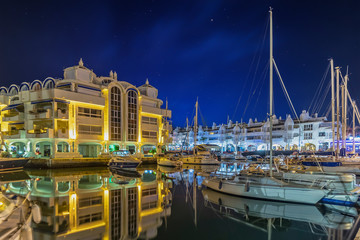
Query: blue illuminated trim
11, 106
42, 101
90, 88
61, 101
16, 123
50, 100
63, 85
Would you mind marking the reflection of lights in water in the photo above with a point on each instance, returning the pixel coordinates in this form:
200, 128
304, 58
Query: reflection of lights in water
191, 170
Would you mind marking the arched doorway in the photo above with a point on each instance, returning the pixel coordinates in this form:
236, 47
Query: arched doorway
43, 149
148, 149
251, 148
17, 149
230, 148
63, 147
89, 149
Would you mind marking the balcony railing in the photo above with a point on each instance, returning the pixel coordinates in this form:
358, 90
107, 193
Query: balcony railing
14, 118
15, 134
40, 114
46, 133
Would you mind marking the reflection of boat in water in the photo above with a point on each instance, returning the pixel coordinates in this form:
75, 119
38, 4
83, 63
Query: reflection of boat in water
201, 168
124, 173
237, 207
16, 213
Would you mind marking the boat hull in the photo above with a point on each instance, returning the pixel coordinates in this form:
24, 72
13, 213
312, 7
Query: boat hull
267, 192
10, 164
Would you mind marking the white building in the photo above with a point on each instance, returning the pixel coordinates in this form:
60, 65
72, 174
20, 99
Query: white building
306, 133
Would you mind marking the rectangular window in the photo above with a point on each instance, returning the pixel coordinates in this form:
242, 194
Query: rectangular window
321, 134
148, 134
90, 218
89, 112
90, 129
147, 192
149, 120
86, 202
148, 205
307, 136
308, 127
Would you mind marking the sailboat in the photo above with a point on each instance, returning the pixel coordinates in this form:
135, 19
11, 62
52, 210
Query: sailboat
200, 156
266, 186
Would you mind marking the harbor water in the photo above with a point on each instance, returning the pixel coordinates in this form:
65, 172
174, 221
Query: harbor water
159, 203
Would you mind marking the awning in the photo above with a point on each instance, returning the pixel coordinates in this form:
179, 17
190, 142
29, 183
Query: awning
11, 107
42, 101
50, 100
16, 123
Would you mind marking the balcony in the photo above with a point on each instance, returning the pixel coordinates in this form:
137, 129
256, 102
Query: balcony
40, 114
63, 134
157, 111
46, 133
62, 114
16, 134
14, 118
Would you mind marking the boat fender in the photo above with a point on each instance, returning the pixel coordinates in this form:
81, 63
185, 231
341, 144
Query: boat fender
247, 186
36, 213
220, 202
220, 184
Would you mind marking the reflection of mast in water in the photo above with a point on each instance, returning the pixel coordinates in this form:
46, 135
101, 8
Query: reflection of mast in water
194, 199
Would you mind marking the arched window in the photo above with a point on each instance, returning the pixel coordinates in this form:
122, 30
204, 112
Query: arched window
3, 92
36, 87
13, 91
49, 84
24, 87
115, 109
132, 115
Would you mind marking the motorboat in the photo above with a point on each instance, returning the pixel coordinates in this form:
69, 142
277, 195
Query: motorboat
122, 159
240, 157
169, 160
200, 157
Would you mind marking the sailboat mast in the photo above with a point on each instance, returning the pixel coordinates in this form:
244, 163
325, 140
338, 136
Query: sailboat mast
337, 111
271, 87
344, 116
195, 123
332, 105
353, 128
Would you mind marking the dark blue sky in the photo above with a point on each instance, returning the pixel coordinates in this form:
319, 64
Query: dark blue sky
210, 49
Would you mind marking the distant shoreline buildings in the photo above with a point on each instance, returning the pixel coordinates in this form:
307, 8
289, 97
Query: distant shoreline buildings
306, 134
81, 115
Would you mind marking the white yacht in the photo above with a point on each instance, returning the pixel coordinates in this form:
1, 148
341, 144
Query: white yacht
169, 160
268, 188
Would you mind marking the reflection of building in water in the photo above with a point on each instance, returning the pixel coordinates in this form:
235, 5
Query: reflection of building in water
99, 206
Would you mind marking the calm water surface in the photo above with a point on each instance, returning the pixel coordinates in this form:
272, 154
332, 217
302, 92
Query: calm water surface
160, 203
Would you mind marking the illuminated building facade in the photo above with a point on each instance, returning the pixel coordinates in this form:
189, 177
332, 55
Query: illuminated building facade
306, 133
82, 115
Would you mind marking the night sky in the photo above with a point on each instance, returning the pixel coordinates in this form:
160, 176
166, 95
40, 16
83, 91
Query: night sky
214, 50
